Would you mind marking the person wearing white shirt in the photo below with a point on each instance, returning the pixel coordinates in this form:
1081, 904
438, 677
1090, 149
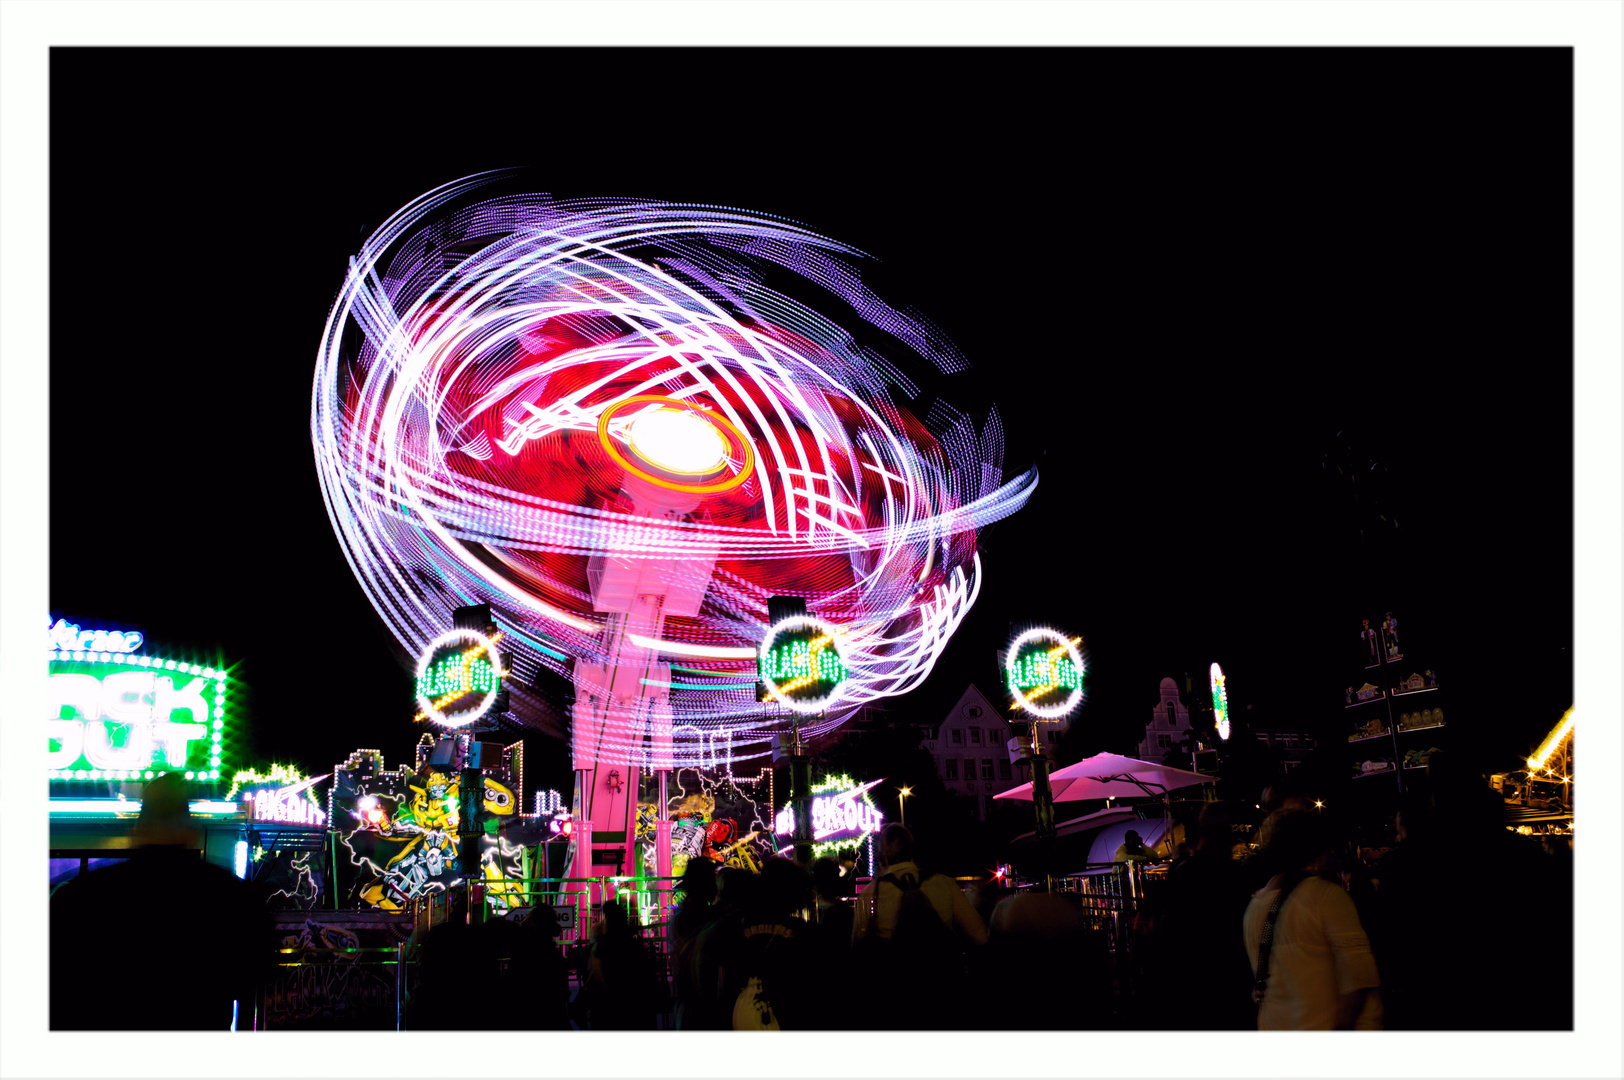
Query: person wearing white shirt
1321, 973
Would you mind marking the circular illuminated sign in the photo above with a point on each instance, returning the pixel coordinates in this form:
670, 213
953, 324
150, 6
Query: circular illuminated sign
683, 443
1040, 665
457, 678
1220, 702
802, 662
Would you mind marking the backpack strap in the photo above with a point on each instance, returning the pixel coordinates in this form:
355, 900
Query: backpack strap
902, 885
1261, 983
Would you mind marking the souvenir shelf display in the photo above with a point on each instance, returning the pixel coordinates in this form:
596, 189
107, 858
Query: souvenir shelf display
1379, 679
1420, 719
1374, 729
1417, 759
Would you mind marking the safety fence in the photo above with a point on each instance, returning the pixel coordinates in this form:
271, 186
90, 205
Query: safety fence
1113, 895
339, 989
356, 970
573, 901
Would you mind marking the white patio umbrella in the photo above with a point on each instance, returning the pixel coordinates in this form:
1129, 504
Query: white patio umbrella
1112, 776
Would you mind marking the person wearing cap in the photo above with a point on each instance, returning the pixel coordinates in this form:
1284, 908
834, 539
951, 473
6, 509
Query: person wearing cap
1133, 849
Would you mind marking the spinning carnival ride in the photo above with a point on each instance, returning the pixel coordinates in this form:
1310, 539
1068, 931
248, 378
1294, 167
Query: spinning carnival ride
608, 421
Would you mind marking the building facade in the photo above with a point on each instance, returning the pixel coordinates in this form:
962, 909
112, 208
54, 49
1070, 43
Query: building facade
1293, 746
975, 755
1169, 724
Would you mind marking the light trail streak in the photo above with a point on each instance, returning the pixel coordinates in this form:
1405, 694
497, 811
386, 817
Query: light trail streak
477, 341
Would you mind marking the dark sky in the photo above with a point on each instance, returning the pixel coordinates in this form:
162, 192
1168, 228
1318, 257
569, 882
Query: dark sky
1189, 278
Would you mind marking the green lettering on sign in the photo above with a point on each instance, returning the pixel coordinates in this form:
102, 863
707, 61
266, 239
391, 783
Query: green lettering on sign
456, 674
1037, 668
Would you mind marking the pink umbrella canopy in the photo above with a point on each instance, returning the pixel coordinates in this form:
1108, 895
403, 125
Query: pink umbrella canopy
1110, 776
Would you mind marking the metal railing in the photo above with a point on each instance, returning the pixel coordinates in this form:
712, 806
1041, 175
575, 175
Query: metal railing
1113, 894
573, 899
340, 988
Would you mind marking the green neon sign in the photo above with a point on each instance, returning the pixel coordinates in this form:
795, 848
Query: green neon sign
801, 664
456, 673
789, 661
132, 717
1036, 667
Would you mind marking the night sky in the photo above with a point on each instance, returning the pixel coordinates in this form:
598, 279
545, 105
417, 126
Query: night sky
1194, 281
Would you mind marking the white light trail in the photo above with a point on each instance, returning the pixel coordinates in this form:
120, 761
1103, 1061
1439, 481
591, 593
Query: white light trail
455, 411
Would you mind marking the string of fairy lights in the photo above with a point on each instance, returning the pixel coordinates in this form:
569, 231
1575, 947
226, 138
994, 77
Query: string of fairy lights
1553, 742
481, 374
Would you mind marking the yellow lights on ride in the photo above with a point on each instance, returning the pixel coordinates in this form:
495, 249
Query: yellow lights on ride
815, 664
1552, 742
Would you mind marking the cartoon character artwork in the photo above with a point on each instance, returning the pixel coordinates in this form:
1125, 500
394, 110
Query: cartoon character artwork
707, 822
718, 836
1390, 638
1368, 636
428, 817
292, 880
739, 851
501, 865
690, 814
315, 937
402, 839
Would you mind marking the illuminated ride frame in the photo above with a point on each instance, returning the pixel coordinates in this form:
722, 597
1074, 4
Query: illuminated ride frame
605, 420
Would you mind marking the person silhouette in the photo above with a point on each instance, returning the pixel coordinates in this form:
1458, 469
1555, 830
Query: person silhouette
196, 933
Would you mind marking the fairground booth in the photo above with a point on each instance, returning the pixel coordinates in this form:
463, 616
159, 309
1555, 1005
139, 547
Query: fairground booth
120, 715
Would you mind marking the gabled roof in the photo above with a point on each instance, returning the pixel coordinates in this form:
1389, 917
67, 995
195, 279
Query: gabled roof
973, 696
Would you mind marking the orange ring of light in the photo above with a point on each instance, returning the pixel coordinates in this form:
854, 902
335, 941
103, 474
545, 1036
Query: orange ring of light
711, 488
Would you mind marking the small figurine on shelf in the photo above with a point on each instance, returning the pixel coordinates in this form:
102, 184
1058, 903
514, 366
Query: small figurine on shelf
1390, 637
1349, 695
1369, 637
1368, 730
1432, 680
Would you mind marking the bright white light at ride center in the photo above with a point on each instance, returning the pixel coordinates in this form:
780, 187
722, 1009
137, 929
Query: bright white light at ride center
679, 442
1220, 701
419, 437
1058, 643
